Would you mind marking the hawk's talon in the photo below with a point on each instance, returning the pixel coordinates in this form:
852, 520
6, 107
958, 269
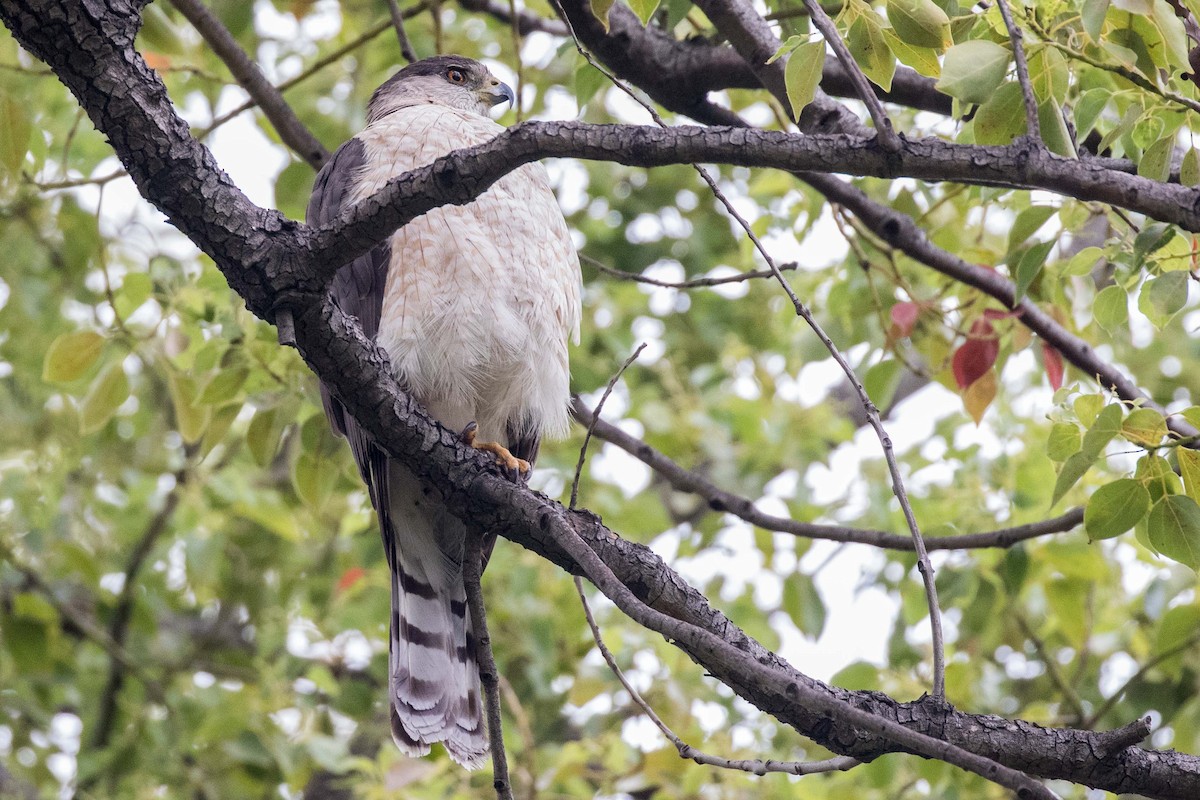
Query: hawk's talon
505, 459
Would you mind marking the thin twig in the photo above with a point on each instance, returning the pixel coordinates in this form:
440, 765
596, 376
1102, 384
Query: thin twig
1108, 704
923, 564
488, 674
756, 766
719, 500
118, 628
406, 48
1034, 132
887, 136
695, 283
86, 627
1056, 677
519, 89
596, 417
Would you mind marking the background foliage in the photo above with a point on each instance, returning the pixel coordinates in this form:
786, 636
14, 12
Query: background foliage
193, 598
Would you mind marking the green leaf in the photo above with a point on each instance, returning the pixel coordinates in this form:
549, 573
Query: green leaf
588, 81
1156, 161
1049, 75
70, 355
1163, 297
262, 435
1156, 474
106, 394
1088, 108
1030, 266
224, 386
15, 129
1083, 262
1144, 427
1053, 127
881, 381
1002, 118
1111, 308
1189, 170
802, 602
972, 71
1069, 474
1101, 432
1177, 627
1094, 12
1063, 441
644, 9
1115, 508
869, 49
1189, 470
1174, 529
1087, 408
803, 73
919, 22
1027, 223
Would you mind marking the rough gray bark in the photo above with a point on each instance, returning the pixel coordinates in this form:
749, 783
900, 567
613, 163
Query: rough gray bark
276, 264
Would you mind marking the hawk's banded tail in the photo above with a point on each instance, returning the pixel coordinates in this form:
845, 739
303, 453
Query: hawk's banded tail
434, 682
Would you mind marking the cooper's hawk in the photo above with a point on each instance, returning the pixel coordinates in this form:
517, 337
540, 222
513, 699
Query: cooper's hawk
473, 305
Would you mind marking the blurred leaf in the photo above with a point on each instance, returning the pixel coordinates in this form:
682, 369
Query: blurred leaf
70, 355
803, 73
919, 22
108, 391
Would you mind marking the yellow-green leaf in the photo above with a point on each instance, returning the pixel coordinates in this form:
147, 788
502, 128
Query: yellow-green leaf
866, 43
1111, 308
644, 9
1156, 161
1094, 12
1189, 469
106, 394
923, 59
803, 73
1189, 170
1145, 427
15, 128
70, 355
190, 417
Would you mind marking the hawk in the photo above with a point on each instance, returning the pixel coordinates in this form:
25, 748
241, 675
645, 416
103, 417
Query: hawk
473, 305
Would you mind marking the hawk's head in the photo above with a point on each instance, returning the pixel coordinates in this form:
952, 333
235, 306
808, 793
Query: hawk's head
452, 81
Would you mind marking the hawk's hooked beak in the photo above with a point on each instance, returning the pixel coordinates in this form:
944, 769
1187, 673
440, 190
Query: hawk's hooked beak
500, 93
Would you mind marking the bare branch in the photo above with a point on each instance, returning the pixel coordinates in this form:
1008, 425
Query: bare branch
406, 48
722, 501
858, 80
596, 416
489, 676
293, 132
755, 766
1033, 128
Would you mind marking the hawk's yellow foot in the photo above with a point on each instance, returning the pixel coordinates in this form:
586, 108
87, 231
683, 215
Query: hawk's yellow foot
503, 457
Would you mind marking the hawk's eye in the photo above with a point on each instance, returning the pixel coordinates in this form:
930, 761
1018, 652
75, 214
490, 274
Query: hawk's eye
455, 75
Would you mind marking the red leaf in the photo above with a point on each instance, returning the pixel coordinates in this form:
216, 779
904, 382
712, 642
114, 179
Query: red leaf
1052, 360
995, 313
977, 354
350, 577
904, 318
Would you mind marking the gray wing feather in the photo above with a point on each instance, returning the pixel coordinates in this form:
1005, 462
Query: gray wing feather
357, 290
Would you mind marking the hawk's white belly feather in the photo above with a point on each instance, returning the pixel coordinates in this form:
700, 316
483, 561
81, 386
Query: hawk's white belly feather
481, 298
